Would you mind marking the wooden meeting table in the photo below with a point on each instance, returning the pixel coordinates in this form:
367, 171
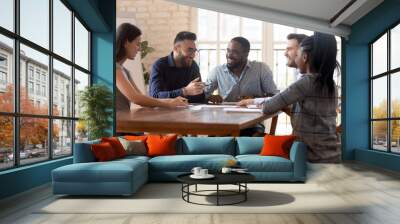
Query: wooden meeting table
184, 121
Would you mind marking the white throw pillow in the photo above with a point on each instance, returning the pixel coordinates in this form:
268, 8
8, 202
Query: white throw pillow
133, 147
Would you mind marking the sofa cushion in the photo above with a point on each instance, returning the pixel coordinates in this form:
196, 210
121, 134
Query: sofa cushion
133, 157
103, 152
136, 163
112, 171
93, 172
136, 137
134, 147
249, 145
206, 145
257, 163
83, 152
116, 145
160, 145
277, 145
185, 163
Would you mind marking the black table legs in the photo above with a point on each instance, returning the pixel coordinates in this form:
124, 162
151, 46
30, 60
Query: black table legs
219, 194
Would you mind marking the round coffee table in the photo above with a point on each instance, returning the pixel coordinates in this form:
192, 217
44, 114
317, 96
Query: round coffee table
238, 179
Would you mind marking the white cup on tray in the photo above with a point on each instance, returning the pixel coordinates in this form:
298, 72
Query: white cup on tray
196, 170
204, 172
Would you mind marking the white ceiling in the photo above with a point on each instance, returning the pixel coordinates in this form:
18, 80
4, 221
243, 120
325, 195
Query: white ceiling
316, 15
321, 9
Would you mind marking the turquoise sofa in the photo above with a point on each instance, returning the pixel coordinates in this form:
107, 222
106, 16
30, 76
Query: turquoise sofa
125, 176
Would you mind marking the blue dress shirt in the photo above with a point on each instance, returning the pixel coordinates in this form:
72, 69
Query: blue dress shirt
167, 80
255, 81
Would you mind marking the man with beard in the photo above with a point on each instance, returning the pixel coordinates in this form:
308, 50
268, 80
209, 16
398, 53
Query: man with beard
293, 43
240, 78
294, 40
178, 74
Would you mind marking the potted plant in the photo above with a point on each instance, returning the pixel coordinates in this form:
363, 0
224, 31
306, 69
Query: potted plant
96, 104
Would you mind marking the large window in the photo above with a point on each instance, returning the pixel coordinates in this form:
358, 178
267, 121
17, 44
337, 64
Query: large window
44, 64
215, 30
385, 96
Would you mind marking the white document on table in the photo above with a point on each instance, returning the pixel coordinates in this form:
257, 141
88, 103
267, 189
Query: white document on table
243, 110
195, 107
253, 106
201, 106
219, 106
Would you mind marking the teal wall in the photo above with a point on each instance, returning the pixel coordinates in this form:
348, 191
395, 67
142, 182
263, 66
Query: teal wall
356, 85
103, 60
24, 178
99, 16
379, 159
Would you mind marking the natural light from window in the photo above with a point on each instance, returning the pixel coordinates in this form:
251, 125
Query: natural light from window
215, 30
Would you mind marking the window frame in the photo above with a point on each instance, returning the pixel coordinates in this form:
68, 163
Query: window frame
218, 42
15, 72
388, 74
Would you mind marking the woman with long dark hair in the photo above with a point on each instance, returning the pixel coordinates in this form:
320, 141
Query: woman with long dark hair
128, 45
314, 99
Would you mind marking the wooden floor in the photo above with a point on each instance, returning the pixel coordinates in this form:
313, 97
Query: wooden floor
377, 188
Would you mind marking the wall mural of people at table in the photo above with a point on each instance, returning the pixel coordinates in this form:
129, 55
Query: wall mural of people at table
127, 46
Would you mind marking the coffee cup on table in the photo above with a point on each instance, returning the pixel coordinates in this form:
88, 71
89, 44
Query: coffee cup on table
196, 171
203, 172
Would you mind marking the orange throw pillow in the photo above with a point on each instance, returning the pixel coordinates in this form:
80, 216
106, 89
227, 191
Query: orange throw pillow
277, 145
103, 152
135, 138
159, 145
116, 145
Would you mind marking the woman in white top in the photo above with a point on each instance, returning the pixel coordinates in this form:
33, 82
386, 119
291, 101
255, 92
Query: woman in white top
128, 45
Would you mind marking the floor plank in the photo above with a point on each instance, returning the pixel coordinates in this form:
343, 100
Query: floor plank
376, 189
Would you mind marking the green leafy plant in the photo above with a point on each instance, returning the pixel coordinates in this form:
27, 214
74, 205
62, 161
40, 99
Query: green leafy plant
145, 49
96, 103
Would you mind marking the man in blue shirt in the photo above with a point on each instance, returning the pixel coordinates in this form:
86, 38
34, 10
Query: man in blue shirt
178, 74
239, 78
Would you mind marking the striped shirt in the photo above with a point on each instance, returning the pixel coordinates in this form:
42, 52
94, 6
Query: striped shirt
313, 117
255, 81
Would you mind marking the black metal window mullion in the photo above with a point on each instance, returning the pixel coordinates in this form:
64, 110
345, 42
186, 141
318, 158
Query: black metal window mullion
389, 101
16, 70
50, 87
73, 81
89, 56
371, 89
385, 119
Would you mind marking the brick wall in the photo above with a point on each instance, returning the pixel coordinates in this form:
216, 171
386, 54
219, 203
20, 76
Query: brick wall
159, 21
